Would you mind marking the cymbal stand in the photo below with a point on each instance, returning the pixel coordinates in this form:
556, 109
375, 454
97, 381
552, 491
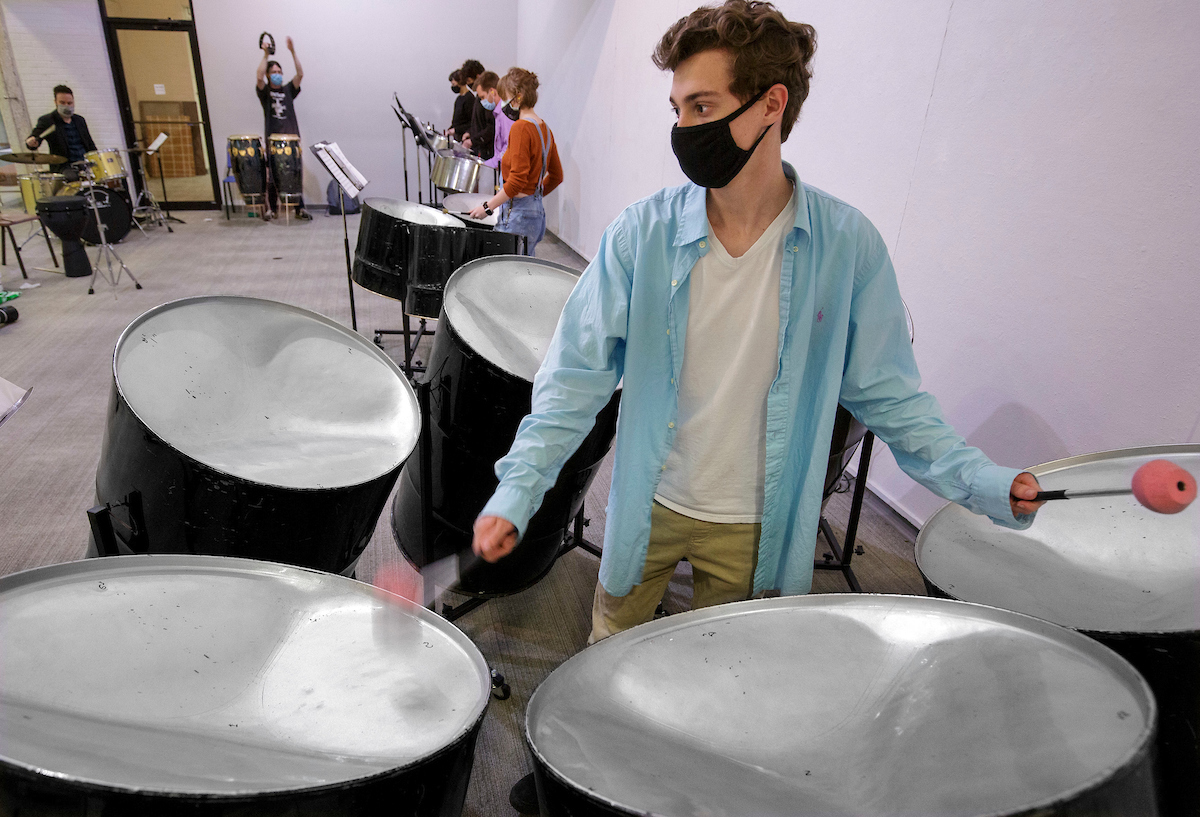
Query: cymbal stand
106, 252
145, 203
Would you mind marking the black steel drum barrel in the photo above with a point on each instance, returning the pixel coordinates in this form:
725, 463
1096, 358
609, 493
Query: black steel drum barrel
844, 706
1107, 567
245, 427
408, 252
493, 332
203, 686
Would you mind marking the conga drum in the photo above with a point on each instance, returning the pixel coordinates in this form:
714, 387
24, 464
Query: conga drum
408, 252
249, 167
1107, 567
495, 327
245, 427
286, 166
844, 706
203, 685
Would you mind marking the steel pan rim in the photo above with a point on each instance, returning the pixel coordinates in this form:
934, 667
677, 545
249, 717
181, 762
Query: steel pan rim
1059, 465
380, 201
1065, 636
207, 563
479, 262
407, 447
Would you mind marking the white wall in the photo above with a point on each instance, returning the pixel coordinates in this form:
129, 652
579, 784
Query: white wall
1033, 168
355, 55
61, 42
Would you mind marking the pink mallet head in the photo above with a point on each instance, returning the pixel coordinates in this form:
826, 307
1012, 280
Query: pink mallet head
1163, 487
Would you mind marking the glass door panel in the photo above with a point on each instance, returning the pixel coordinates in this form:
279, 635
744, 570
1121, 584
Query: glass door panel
160, 83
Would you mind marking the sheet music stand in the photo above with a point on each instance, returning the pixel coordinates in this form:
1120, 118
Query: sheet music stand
349, 181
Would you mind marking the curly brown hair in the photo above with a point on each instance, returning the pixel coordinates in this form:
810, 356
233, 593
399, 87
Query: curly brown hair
767, 49
524, 86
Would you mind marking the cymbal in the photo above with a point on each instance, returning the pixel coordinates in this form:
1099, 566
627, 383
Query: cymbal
33, 158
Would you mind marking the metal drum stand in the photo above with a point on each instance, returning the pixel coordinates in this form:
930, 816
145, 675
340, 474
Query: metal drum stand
145, 205
106, 251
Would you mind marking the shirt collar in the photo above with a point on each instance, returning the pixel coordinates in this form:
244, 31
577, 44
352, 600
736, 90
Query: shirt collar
694, 223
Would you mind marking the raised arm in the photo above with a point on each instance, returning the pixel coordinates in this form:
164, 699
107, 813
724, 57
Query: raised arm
299, 70
262, 69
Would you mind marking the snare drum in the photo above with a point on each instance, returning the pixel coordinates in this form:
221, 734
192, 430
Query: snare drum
249, 167
844, 705
495, 327
286, 169
106, 165
1107, 567
199, 685
38, 186
245, 427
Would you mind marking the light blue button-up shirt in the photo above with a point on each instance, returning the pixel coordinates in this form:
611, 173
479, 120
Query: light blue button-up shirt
843, 337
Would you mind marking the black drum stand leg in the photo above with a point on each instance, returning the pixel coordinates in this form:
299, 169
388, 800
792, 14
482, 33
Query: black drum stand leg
840, 557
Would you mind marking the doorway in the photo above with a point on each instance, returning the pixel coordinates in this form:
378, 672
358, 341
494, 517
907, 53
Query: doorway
160, 89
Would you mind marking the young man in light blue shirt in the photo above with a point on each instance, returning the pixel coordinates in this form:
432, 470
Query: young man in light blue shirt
835, 332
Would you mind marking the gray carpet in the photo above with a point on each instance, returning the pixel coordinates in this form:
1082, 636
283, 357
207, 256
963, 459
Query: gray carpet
62, 346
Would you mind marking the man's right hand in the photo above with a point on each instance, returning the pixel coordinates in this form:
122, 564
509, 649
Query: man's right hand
495, 538
32, 142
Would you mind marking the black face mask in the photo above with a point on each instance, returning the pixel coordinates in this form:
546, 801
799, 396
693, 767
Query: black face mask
511, 112
707, 153
454, 88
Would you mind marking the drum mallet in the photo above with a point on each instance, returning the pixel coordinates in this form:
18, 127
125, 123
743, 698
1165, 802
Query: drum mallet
1160, 485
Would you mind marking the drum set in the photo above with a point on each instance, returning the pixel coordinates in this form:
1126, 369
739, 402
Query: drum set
254, 169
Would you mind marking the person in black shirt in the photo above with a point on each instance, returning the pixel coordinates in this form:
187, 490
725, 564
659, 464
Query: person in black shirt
460, 122
279, 106
70, 137
481, 138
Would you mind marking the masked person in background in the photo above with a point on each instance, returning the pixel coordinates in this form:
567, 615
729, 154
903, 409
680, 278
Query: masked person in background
70, 136
530, 168
506, 115
460, 120
481, 137
279, 107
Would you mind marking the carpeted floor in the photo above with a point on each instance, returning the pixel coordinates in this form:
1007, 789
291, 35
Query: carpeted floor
62, 346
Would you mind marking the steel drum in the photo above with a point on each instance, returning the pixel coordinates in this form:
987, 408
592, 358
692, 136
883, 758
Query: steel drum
249, 167
494, 330
456, 171
1106, 567
38, 186
200, 685
844, 705
246, 427
408, 251
106, 165
286, 169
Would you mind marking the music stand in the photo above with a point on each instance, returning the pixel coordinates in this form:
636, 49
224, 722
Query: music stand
349, 181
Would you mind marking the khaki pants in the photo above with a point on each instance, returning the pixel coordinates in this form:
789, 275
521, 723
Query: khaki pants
723, 558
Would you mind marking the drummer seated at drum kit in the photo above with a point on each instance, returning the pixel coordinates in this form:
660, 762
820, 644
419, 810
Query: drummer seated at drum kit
70, 136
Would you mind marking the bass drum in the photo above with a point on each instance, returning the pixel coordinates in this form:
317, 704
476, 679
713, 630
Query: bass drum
116, 213
245, 427
1107, 567
493, 332
216, 687
408, 251
844, 706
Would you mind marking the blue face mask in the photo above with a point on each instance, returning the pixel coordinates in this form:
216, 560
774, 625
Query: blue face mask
491, 106
276, 79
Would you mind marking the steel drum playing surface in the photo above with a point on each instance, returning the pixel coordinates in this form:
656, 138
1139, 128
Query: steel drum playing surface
216, 676
267, 392
863, 705
1101, 565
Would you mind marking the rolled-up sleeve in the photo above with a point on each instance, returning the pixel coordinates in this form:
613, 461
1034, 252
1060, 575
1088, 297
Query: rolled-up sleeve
881, 386
581, 370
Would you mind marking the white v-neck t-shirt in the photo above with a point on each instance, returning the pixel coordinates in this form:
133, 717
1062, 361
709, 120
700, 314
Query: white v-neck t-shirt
717, 466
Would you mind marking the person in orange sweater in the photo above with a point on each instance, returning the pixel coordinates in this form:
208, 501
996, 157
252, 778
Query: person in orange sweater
530, 168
